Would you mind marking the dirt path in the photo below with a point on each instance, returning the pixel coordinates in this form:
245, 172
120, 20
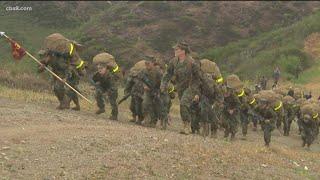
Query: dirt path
39, 142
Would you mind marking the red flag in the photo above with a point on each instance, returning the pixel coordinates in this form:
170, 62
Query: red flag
17, 51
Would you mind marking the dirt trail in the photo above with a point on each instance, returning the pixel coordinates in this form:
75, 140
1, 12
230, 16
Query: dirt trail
39, 142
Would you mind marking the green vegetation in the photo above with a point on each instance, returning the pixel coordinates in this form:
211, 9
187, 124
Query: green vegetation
118, 26
259, 55
28, 35
309, 74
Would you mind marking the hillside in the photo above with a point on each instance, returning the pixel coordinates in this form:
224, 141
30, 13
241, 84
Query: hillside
285, 47
43, 143
129, 30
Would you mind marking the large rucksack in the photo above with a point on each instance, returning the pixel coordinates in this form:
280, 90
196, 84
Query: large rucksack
108, 59
138, 67
210, 67
281, 90
234, 82
288, 100
59, 46
274, 99
310, 109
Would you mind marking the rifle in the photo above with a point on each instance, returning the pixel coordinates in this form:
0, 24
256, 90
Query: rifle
154, 91
124, 98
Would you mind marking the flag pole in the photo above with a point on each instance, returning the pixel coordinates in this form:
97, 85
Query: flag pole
54, 74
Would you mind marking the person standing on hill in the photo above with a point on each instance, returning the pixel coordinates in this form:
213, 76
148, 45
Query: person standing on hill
188, 76
276, 76
263, 83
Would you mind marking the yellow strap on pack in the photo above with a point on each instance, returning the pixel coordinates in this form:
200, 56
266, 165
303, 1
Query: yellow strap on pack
254, 100
241, 94
115, 69
277, 108
171, 89
315, 116
71, 48
219, 80
80, 65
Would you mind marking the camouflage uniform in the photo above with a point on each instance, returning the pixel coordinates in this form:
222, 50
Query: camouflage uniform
267, 122
151, 102
166, 99
211, 96
73, 80
279, 110
187, 77
106, 84
62, 56
231, 113
263, 83
195, 109
61, 67
309, 129
244, 112
291, 92
289, 116
134, 86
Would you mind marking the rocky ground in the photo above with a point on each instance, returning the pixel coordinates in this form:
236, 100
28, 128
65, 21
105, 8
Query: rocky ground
39, 142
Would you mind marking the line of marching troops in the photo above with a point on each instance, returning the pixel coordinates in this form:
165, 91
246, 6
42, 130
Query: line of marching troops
207, 100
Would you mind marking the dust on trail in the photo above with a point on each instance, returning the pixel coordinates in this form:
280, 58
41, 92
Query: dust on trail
39, 142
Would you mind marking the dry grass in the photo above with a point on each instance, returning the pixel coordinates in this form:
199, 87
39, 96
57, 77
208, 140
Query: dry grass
46, 143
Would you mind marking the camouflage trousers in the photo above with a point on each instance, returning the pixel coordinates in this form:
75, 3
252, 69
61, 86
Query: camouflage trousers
186, 98
215, 116
280, 118
65, 94
267, 127
59, 89
208, 117
136, 107
255, 119
231, 122
165, 109
112, 94
245, 119
287, 125
308, 133
152, 108
73, 81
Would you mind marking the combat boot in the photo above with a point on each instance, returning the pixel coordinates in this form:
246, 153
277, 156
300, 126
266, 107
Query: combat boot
254, 128
204, 129
100, 111
134, 119
114, 118
232, 138
60, 107
185, 129
140, 119
163, 124
66, 102
61, 99
76, 102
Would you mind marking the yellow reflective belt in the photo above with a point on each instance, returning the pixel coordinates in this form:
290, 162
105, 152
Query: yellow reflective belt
115, 69
241, 94
254, 100
171, 89
315, 116
277, 108
80, 65
219, 80
71, 49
